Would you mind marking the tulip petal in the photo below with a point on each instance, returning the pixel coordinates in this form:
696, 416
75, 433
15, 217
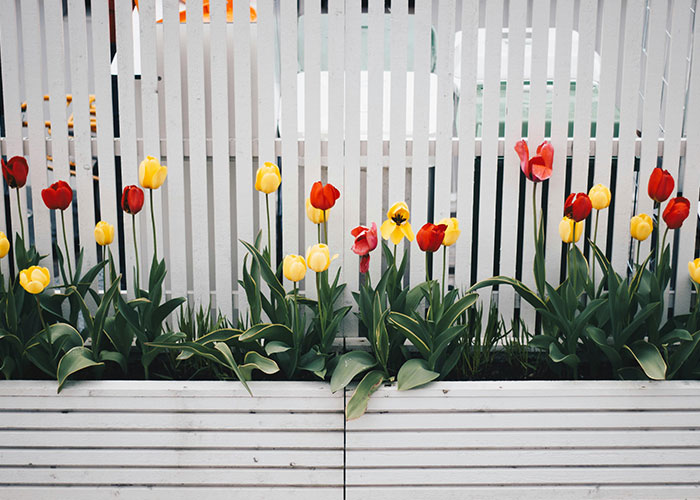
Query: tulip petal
396, 235
524, 155
406, 229
387, 228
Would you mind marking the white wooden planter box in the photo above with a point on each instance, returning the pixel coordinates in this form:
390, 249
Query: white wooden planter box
452, 440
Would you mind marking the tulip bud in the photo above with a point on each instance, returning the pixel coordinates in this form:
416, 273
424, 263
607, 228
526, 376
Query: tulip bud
57, 196
318, 258
34, 279
694, 270
430, 237
104, 233
452, 232
294, 267
566, 230
660, 185
15, 171
577, 206
676, 211
314, 214
641, 227
4, 245
600, 196
323, 197
268, 178
132, 199
151, 173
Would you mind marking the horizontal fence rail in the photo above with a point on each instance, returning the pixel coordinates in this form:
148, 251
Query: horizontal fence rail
420, 101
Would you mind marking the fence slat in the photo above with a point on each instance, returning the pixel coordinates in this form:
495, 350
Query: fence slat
288, 132
127, 134
489, 149
55, 72
220, 160
397, 118
312, 119
352, 172
517, 15
9, 43
629, 102
689, 178
560, 124
109, 198
174, 149
36, 131
422, 105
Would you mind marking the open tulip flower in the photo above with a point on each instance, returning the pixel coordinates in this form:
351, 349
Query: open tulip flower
294, 268
318, 258
641, 227
15, 171
577, 206
661, 185
132, 199
676, 211
365, 241
58, 196
566, 230
268, 178
323, 197
151, 173
34, 279
539, 167
600, 196
694, 270
397, 226
104, 233
4, 245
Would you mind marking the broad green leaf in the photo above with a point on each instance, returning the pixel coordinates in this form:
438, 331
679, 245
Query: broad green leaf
541, 342
525, 293
455, 311
555, 354
411, 329
164, 310
414, 373
349, 365
358, 402
64, 336
681, 355
224, 349
268, 332
599, 338
114, 357
73, 361
676, 335
253, 361
649, 358
276, 347
222, 335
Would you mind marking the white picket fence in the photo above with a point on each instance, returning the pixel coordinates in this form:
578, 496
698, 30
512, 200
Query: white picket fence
377, 103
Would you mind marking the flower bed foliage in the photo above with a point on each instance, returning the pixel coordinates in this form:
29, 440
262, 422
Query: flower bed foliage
599, 322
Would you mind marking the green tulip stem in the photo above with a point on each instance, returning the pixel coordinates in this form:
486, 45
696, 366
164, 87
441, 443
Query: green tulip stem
368, 278
663, 241
534, 212
595, 242
318, 231
639, 244
296, 306
657, 209
444, 265
153, 223
325, 225
41, 315
395, 245
320, 306
19, 212
269, 235
427, 260
65, 245
136, 251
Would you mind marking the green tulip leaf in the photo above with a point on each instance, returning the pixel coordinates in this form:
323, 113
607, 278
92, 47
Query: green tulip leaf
73, 361
268, 332
557, 356
415, 373
222, 335
677, 335
358, 402
64, 336
276, 347
649, 358
349, 365
254, 360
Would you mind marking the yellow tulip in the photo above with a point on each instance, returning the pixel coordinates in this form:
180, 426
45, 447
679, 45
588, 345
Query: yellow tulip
600, 196
566, 230
318, 258
397, 226
641, 227
694, 270
294, 267
104, 233
268, 178
151, 173
452, 232
34, 279
315, 215
4, 245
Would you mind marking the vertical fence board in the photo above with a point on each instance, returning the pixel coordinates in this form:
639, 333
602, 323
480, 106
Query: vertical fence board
288, 133
422, 104
36, 131
352, 174
397, 117
489, 147
127, 131
629, 102
689, 178
560, 124
517, 16
55, 69
220, 153
174, 149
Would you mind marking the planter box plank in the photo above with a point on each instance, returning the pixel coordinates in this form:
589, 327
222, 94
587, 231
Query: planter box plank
170, 440
527, 440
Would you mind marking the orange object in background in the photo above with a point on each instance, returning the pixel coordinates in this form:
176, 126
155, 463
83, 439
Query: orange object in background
205, 12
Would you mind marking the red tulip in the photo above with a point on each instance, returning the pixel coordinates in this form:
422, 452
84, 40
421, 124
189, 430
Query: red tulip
132, 199
323, 197
430, 237
577, 206
539, 167
660, 185
676, 211
15, 171
365, 242
57, 196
